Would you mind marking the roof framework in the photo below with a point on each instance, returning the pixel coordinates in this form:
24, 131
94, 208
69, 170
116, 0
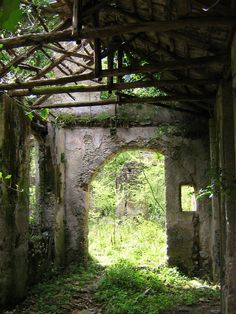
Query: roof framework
184, 45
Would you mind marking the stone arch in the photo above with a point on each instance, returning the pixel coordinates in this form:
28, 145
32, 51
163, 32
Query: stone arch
186, 160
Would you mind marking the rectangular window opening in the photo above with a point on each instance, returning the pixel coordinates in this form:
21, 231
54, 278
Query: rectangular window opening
188, 198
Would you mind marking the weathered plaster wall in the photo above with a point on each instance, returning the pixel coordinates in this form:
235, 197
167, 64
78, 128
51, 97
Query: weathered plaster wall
86, 149
188, 232
14, 207
223, 152
224, 123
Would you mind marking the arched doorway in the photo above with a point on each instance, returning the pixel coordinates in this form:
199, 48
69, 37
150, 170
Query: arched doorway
86, 150
127, 214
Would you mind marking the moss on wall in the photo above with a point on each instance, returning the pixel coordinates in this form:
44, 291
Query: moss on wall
14, 204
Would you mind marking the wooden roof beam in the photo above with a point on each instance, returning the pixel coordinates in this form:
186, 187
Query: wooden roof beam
48, 90
150, 68
197, 42
131, 100
93, 9
22, 57
105, 32
69, 53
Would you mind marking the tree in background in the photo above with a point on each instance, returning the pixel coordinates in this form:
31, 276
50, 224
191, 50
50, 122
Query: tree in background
149, 190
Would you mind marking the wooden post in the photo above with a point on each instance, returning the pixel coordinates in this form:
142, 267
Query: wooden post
76, 20
110, 64
97, 49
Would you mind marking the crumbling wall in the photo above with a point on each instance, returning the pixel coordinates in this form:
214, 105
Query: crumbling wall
188, 232
223, 140
27, 249
88, 148
14, 202
42, 226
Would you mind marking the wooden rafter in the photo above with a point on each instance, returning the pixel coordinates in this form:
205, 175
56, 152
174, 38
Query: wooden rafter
93, 9
22, 57
99, 88
104, 32
161, 101
151, 68
69, 53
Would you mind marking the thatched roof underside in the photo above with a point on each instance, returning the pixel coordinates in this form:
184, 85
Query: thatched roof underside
185, 46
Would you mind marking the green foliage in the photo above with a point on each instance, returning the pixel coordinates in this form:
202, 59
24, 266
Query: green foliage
70, 120
127, 286
216, 186
188, 198
128, 60
56, 294
30, 115
124, 287
137, 240
6, 180
33, 213
44, 112
19, 19
149, 189
128, 289
40, 2
10, 14
5, 177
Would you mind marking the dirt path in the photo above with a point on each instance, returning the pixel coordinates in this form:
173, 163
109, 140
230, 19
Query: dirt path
84, 303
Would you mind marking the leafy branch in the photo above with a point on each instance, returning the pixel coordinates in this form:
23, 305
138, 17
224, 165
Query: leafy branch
6, 180
217, 186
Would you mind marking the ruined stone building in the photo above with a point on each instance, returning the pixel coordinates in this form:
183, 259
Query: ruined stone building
189, 49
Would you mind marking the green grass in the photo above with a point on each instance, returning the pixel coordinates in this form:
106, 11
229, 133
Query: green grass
55, 296
137, 240
126, 288
135, 279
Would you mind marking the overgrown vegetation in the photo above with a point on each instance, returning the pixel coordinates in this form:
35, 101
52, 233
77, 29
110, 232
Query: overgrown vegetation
148, 190
127, 271
122, 288
18, 18
126, 288
137, 240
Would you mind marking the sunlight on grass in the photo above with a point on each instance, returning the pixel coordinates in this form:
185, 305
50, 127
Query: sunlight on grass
135, 239
136, 278
126, 288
